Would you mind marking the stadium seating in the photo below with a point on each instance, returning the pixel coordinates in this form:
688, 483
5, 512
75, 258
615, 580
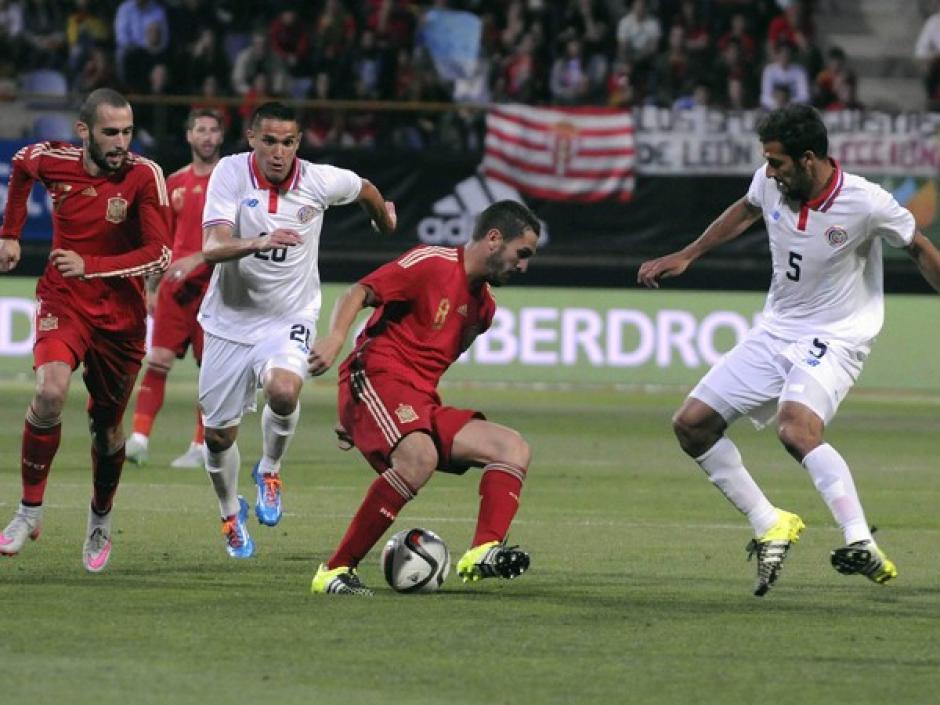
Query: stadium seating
46, 88
54, 126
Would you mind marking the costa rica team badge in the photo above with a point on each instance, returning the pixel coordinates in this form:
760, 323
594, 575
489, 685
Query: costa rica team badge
117, 210
837, 236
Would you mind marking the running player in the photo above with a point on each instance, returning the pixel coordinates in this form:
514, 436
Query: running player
261, 228
109, 230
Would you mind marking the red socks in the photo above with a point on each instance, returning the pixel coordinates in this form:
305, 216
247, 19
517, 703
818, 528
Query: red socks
385, 498
149, 400
38, 449
500, 487
106, 470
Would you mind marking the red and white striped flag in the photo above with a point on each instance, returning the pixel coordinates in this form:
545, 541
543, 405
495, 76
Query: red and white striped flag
562, 154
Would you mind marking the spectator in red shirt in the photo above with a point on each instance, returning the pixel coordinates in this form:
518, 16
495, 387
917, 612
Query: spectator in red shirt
288, 38
739, 32
110, 228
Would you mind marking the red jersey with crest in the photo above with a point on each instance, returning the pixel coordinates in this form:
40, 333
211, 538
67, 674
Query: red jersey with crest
187, 191
425, 318
118, 223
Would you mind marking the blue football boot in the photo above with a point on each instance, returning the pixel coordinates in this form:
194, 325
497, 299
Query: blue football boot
268, 504
235, 530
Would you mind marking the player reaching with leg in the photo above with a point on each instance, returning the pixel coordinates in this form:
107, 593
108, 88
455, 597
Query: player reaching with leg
261, 228
181, 287
431, 303
109, 230
823, 311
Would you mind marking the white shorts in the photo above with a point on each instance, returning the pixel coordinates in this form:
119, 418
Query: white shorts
762, 371
231, 372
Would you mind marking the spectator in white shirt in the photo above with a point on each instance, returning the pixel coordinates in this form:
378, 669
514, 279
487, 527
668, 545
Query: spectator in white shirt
782, 72
638, 33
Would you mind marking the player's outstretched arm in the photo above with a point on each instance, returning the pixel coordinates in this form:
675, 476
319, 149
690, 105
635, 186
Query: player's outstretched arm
737, 218
219, 243
325, 350
927, 258
9, 254
382, 212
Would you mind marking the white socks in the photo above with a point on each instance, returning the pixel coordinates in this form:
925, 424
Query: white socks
223, 471
832, 478
725, 469
276, 433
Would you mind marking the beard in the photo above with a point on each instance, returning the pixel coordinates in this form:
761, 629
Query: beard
100, 158
496, 273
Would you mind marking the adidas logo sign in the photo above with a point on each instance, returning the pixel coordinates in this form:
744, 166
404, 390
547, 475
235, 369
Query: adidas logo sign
454, 215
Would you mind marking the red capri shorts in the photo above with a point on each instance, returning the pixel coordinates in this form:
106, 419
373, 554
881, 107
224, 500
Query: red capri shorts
111, 361
379, 410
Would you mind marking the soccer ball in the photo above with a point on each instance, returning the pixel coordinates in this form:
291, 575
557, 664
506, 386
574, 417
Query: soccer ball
416, 560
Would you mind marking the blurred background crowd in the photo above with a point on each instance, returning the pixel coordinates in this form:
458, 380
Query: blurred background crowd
234, 54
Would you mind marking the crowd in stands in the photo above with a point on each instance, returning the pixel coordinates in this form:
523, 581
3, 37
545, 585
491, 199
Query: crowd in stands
736, 54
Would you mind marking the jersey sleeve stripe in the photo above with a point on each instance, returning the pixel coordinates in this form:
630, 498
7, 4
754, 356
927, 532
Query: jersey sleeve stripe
423, 253
162, 197
217, 221
157, 265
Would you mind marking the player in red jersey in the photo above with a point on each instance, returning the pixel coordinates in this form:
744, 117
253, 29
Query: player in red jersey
181, 287
431, 304
109, 230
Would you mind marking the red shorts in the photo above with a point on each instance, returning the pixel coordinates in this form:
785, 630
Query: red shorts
379, 410
174, 322
111, 361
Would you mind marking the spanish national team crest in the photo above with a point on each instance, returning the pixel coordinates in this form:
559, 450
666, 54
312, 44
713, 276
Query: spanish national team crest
406, 413
177, 198
837, 236
306, 214
117, 210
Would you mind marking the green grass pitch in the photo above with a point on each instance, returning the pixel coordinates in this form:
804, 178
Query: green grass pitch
638, 590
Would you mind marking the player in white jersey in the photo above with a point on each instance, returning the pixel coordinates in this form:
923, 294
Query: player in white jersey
824, 308
261, 228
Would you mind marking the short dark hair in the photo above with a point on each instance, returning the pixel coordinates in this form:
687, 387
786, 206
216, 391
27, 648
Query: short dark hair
272, 111
511, 218
100, 96
197, 113
799, 128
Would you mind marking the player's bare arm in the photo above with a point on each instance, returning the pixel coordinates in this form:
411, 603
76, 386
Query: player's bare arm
382, 212
69, 263
927, 258
219, 243
9, 254
325, 350
184, 266
737, 218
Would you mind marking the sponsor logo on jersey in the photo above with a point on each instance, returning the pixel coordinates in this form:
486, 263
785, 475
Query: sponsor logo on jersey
775, 215
117, 210
406, 413
812, 361
250, 202
462, 310
837, 236
197, 188
89, 191
306, 214
48, 322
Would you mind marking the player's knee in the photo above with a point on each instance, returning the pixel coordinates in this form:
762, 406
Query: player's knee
694, 436
797, 438
517, 450
49, 400
282, 396
219, 439
107, 439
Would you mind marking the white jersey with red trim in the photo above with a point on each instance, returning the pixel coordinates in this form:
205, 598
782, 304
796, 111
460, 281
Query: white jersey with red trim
827, 276
246, 294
